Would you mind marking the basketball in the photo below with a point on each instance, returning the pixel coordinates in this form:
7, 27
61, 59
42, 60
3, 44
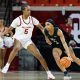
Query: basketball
64, 61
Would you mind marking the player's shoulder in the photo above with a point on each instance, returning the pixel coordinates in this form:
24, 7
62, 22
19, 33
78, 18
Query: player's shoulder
56, 27
34, 18
59, 31
17, 20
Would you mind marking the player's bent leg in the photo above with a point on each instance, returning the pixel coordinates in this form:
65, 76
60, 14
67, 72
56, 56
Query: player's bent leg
56, 54
14, 52
75, 59
35, 52
16, 48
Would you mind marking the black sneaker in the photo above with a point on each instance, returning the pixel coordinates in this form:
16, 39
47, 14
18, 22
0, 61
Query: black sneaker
67, 77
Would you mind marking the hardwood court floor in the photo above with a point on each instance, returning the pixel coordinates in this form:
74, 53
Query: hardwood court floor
34, 75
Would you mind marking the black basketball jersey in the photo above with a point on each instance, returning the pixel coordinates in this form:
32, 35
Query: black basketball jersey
55, 39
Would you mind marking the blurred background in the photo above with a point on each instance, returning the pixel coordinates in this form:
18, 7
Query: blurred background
59, 11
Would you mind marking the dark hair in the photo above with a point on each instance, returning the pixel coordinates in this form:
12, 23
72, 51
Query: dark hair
50, 21
24, 5
66, 20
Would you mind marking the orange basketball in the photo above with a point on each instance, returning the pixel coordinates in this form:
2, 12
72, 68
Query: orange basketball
64, 61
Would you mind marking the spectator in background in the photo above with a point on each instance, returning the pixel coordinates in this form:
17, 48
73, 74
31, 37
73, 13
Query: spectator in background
66, 28
17, 3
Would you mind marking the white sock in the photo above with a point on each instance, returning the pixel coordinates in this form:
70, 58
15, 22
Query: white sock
64, 70
50, 75
7, 65
48, 72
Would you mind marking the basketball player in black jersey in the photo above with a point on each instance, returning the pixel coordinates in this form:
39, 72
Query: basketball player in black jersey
57, 41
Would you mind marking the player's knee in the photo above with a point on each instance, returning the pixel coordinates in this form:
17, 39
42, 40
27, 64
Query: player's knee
17, 46
56, 52
79, 64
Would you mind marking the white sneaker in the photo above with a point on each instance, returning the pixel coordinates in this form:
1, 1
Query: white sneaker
5, 69
51, 76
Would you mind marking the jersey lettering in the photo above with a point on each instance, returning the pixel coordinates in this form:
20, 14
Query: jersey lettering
76, 27
26, 31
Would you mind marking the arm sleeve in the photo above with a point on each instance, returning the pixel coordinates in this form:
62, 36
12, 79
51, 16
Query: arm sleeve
15, 22
35, 21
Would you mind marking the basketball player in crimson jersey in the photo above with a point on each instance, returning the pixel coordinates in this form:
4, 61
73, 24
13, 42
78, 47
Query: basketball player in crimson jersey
24, 25
57, 42
3, 41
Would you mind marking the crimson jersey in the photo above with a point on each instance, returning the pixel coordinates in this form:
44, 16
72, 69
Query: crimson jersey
66, 31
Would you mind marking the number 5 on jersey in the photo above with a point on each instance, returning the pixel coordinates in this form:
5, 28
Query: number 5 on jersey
26, 31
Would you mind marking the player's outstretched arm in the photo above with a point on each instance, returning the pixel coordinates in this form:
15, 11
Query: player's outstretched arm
40, 27
64, 43
42, 30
